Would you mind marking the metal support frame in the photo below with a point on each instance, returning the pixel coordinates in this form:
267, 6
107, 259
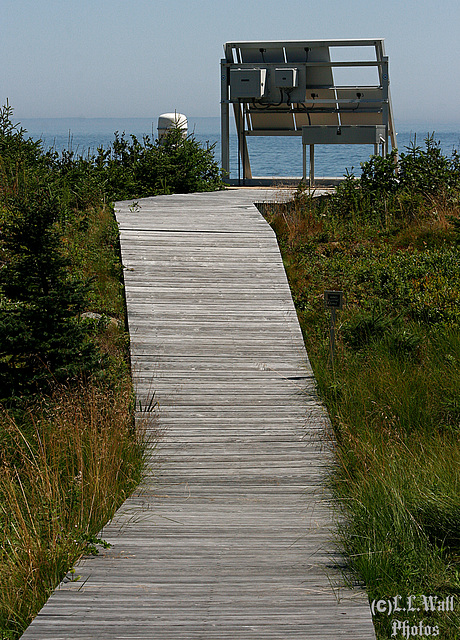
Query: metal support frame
354, 134
224, 118
240, 115
271, 56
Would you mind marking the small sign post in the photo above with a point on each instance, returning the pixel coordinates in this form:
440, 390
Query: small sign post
333, 300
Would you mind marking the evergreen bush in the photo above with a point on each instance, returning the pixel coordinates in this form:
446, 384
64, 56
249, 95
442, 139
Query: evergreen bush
42, 338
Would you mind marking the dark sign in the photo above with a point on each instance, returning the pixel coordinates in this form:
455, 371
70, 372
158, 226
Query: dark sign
333, 299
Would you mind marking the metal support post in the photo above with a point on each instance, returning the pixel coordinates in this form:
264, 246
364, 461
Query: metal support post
242, 145
224, 119
304, 161
312, 165
385, 102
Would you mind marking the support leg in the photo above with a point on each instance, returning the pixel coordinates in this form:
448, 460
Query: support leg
312, 165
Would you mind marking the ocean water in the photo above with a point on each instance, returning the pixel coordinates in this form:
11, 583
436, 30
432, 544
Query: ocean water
269, 156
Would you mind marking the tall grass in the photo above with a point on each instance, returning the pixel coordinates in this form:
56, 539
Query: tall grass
393, 394
397, 422
64, 471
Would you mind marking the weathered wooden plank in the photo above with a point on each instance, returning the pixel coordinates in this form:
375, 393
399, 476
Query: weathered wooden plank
229, 535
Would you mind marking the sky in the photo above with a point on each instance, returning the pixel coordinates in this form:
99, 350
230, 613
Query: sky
141, 58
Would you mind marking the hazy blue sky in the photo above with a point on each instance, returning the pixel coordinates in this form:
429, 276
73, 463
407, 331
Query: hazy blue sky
139, 58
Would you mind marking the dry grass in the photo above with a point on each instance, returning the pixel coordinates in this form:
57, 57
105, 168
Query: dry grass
296, 218
66, 469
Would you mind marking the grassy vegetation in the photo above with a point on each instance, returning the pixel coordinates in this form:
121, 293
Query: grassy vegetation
66, 467
392, 244
69, 452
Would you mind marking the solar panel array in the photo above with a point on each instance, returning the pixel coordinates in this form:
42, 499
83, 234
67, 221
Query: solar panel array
278, 88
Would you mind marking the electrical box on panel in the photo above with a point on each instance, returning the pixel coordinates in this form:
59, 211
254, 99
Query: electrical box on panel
286, 78
247, 83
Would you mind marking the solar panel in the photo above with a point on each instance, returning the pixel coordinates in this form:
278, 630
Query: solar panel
281, 88
270, 119
261, 54
360, 105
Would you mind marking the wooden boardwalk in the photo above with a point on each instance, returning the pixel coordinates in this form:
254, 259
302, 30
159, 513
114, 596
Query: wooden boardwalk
229, 535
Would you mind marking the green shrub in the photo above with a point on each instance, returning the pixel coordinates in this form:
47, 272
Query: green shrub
428, 171
176, 165
41, 336
397, 190
378, 175
134, 169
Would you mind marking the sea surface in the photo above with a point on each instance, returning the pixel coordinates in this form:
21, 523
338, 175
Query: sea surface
269, 156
